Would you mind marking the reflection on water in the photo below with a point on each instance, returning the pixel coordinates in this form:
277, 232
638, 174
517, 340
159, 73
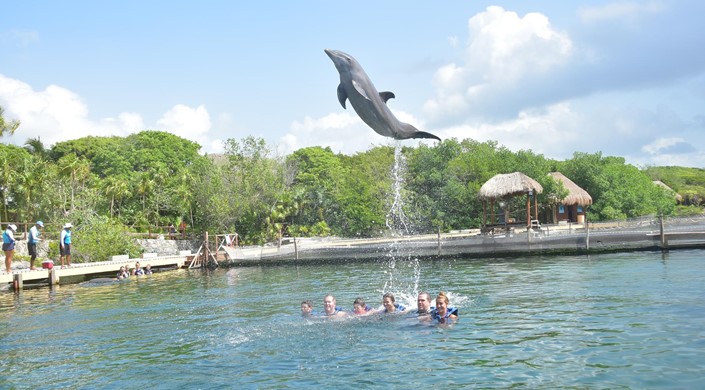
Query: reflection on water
618, 320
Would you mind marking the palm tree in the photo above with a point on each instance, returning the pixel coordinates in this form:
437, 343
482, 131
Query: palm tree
36, 147
116, 188
77, 169
7, 127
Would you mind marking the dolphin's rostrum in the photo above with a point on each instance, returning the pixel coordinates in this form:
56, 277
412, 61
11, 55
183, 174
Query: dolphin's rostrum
369, 104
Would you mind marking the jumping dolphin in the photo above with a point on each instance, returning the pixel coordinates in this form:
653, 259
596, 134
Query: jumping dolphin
369, 104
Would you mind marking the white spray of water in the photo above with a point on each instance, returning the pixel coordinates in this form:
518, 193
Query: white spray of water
399, 281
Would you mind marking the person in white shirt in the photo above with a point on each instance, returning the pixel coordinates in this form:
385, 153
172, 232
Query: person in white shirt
32, 241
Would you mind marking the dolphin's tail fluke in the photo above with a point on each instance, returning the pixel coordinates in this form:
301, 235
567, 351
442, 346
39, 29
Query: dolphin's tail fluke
423, 134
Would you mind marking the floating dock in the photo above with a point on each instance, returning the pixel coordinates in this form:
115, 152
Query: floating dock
55, 275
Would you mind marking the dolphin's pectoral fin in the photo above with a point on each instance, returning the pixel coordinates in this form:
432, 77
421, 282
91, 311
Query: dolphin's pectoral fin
342, 95
386, 95
360, 90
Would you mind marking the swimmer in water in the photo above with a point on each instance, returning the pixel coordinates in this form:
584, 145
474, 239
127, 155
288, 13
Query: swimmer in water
423, 306
360, 308
330, 309
442, 313
390, 306
306, 308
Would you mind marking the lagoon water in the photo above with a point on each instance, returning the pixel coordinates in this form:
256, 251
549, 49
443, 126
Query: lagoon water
632, 320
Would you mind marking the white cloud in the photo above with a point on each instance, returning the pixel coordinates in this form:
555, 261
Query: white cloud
57, 114
186, 122
619, 10
503, 49
661, 144
342, 132
551, 132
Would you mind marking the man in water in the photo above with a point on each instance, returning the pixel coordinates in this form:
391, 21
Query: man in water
423, 305
330, 309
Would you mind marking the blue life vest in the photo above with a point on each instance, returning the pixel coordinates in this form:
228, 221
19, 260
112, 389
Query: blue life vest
398, 307
449, 312
67, 237
337, 310
6, 238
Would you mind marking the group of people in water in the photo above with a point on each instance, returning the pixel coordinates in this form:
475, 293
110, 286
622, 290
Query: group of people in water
125, 271
441, 313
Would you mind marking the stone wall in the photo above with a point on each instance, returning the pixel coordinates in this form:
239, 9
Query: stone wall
159, 246
164, 247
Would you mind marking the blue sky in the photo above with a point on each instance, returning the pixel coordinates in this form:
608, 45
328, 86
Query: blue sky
625, 78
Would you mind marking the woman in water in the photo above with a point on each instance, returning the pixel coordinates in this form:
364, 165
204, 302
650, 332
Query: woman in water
390, 307
442, 313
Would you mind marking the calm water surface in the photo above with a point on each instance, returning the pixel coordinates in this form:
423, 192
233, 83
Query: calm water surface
631, 320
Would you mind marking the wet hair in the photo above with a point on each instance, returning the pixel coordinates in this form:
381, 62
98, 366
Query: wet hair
307, 302
359, 301
443, 297
388, 295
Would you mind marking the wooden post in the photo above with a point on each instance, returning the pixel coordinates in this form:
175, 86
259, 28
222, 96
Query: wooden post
206, 251
439, 241
528, 210
587, 232
17, 281
664, 240
53, 277
484, 213
536, 207
296, 249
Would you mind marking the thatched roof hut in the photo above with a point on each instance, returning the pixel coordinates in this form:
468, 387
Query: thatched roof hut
507, 185
576, 195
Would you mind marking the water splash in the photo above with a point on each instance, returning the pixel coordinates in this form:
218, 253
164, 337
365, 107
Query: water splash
396, 221
403, 272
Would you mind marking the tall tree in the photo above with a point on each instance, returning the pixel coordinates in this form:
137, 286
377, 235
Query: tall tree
7, 127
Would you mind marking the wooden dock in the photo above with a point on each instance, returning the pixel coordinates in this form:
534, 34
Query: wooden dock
55, 275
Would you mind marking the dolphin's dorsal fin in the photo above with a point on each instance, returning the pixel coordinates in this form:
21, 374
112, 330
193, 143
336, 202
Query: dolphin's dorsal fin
360, 90
342, 95
386, 95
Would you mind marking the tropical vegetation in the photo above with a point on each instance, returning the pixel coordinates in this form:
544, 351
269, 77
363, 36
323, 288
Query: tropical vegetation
148, 180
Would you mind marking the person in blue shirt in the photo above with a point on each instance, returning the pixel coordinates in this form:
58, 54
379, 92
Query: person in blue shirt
8, 245
32, 241
65, 246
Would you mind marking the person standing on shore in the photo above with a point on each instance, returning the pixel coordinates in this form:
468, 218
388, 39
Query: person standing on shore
32, 241
8, 245
65, 245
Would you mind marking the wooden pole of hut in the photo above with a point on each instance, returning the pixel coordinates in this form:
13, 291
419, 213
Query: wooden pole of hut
528, 209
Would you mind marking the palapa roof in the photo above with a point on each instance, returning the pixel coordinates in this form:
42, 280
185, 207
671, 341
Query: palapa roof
508, 184
576, 195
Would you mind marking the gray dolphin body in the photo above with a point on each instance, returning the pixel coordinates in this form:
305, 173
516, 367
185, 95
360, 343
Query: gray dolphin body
370, 105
